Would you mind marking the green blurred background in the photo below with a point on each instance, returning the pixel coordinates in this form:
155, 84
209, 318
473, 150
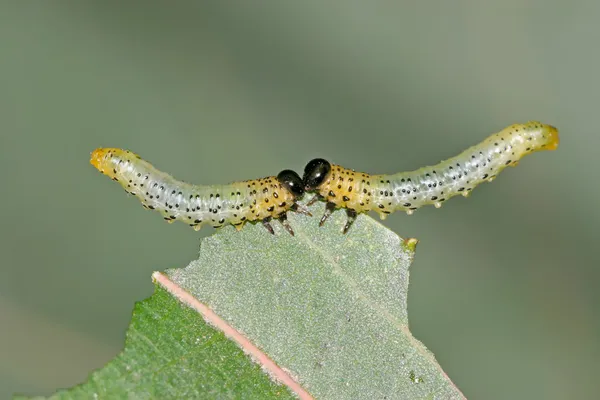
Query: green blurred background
504, 286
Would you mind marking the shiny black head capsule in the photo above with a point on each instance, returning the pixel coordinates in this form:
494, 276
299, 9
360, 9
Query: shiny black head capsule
292, 182
315, 173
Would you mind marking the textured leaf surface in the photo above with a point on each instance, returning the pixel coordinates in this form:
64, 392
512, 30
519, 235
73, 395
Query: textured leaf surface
171, 353
329, 308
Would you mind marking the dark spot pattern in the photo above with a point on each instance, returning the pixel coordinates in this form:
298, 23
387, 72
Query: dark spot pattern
196, 205
434, 185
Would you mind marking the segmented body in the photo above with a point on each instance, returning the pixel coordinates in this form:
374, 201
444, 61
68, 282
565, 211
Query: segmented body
435, 184
196, 205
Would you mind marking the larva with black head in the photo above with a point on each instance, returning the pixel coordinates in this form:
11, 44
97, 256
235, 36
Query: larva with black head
197, 205
359, 192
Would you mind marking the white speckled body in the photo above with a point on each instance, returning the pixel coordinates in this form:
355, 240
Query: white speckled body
435, 184
195, 205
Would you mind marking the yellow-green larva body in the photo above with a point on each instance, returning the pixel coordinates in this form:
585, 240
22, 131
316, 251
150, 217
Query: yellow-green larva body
408, 191
196, 205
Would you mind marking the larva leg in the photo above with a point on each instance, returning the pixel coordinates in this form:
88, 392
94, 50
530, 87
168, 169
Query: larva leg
316, 198
284, 221
267, 224
328, 210
351, 218
299, 208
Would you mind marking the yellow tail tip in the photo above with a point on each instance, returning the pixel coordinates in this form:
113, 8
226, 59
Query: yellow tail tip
554, 139
97, 157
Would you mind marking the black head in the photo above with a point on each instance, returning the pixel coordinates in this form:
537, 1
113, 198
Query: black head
315, 173
291, 181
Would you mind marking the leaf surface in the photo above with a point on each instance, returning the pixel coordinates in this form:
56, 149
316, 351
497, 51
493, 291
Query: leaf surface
171, 353
329, 309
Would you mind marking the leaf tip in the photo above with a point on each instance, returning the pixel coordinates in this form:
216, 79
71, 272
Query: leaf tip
411, 243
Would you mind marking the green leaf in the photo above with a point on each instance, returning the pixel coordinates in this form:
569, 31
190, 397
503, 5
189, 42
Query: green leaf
328, 308
171, 353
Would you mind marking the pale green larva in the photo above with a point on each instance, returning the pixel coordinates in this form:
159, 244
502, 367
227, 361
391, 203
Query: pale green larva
407, 191
197, 205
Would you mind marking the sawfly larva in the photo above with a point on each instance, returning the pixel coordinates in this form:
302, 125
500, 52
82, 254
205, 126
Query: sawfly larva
217, 205
359, 192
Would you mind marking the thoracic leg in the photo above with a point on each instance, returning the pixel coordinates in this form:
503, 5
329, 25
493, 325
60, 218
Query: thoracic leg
299, 208
314, 199
351, 218
328, 210
284, 221
267, 224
